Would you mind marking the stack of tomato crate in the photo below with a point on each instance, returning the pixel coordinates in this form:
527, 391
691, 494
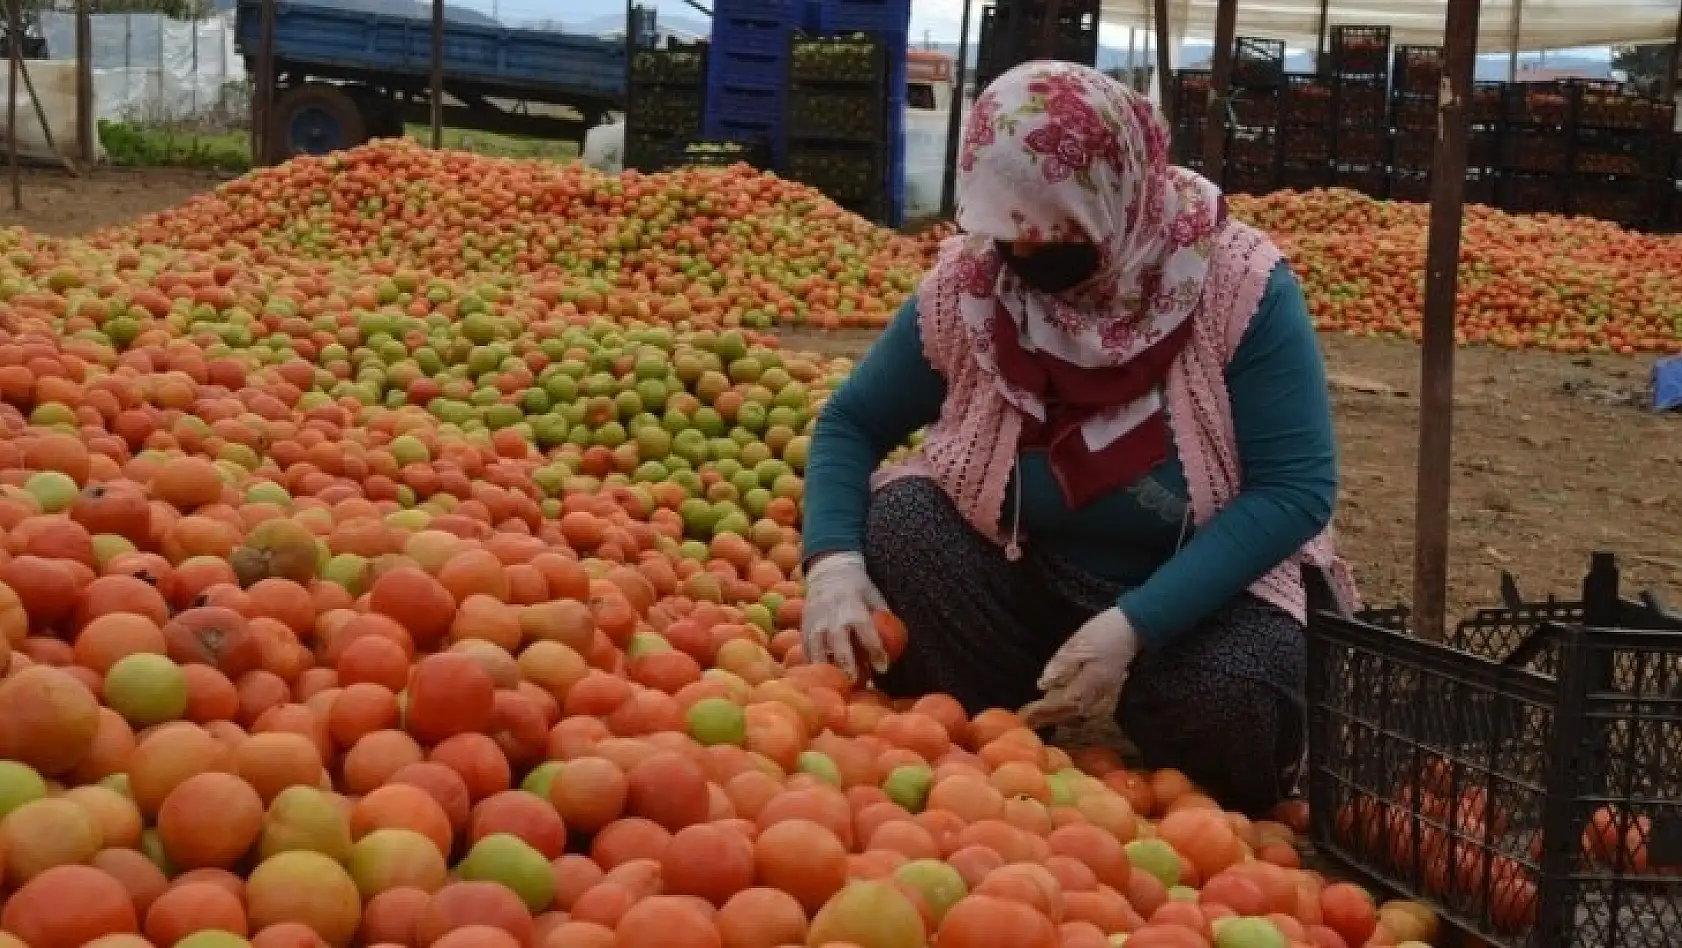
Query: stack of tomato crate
1360, 75
1622, 149
839, 118
1253, 142
666, 102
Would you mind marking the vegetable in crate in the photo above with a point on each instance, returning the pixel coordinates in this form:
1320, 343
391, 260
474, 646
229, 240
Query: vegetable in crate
855, 58
1210, 651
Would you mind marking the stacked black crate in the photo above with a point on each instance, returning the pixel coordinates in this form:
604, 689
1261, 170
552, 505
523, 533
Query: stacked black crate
838, 119
1360, 73
1306, 113
1191, 116
1536, 143
1621, 152
666, 103
1415, 79
1013, 32
1253, 143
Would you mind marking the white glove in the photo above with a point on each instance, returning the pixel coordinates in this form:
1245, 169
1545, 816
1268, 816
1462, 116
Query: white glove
840, 600
1087, 673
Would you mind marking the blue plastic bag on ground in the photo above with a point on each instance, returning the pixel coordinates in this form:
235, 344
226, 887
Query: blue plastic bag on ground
1667, 384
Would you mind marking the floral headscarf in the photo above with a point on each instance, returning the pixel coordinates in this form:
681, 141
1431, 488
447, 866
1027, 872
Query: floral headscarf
1058, 151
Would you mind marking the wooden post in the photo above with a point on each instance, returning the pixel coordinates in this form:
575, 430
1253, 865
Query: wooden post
437, 73
1164, 62
630, 47
955, 120
1048, 29
87, 132
1442, 260
1220, 84
14, 33
263, 145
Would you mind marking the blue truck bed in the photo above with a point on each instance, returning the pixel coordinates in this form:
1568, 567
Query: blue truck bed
525, 63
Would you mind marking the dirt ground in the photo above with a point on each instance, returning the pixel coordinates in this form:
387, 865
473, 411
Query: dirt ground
1554, 457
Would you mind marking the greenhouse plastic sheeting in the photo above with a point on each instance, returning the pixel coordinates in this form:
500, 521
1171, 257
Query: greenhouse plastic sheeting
173, 70
1543, 24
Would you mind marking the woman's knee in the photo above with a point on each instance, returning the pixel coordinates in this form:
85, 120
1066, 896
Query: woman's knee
913, 526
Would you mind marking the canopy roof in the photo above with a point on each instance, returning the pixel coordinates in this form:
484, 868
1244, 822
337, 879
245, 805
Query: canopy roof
1544, 24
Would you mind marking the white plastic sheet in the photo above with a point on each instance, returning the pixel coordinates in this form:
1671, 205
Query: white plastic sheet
159, 69
604, 147
55, 84
1544, 24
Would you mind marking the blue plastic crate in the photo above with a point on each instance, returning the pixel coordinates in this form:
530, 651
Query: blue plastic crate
747, 67
785, 10
745, 34
862, 16
750, 102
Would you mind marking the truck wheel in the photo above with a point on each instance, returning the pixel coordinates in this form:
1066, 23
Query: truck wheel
379, 116
315, 119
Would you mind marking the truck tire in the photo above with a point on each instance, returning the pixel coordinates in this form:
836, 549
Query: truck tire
315, 119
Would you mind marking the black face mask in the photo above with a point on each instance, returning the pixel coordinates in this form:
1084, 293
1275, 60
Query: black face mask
1052, 268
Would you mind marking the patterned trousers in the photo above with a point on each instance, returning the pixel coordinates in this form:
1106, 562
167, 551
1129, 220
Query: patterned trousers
1223, 703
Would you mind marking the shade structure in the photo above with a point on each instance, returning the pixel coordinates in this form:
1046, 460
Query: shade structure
1544, 24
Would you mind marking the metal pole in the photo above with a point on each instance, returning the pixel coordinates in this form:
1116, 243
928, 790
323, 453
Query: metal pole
14, 36
85, 131
1048, 29
1164, 62
1320, 51
1220, 82
1132, 69
263, 148
630, 46
955, 120
1515, 33
1442, 257
437, 73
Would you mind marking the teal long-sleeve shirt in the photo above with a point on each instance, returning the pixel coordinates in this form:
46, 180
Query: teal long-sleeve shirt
1139, 536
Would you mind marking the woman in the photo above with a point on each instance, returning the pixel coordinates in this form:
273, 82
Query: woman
1129, 462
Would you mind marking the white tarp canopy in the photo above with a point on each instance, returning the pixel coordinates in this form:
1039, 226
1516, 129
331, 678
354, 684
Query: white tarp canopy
1544, 24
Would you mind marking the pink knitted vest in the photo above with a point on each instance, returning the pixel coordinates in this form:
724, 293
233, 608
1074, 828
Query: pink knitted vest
972, 448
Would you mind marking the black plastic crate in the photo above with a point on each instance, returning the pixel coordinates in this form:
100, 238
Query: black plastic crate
1360, 146
1243, 178
1254, 108
1188, 139
1481, 187
1416, 113
1307, 100
1361, 103
1253, 148
1538, 103
651, 151
1419, 151
1191, 93
1011, 34
678, 64
1539, 150
722, 153
1531, 194
1408, 184
1602, 108
1360, 50
672, 108
1304, 175
1522, 778
837, 113
1371, 180
1632, 202
1417, 70
1486, 103
1305, 144
854, 59
1258, 63
846, 175
1605, 151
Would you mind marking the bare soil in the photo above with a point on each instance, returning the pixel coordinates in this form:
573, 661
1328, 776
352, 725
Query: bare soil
1554, 457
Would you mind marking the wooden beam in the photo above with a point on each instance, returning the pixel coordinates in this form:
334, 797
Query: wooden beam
1667, 84
1515, 36
87, 130
1321, 53
1442, 259
1220, 85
